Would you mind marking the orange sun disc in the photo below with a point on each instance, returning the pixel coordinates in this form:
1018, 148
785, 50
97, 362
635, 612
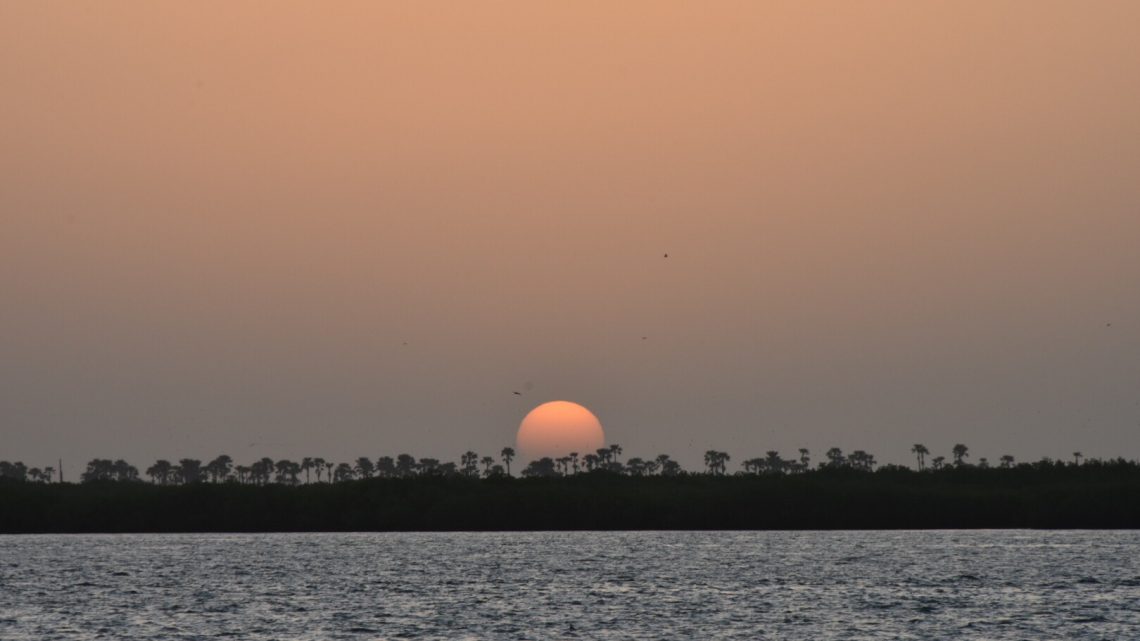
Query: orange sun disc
558, 428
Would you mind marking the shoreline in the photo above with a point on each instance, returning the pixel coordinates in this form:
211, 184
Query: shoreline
887, 500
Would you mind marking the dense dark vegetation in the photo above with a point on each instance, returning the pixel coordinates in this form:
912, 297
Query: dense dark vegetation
844, 492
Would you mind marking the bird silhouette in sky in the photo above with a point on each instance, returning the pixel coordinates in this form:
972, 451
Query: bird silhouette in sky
666, 254
517, 393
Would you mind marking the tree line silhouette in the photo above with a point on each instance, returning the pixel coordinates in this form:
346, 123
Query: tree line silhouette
471, 465
763, 493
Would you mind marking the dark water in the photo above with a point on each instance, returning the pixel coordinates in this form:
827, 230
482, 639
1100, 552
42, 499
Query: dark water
625, 585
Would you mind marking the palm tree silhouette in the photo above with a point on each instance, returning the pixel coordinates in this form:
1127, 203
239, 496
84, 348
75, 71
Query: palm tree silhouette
219, 468
124, 471
257, 472
363, 467
343, 472
487, 462
835, 458
960, 452
428, 466
160, 471
16, 471
715, 461
710, 461
306, 465
937, 461
615, 452
773, 461
1006, 461
470, 463
261, 471
920, 451
543, 467
190, 470
318, 467
1077, 458
97, 470
861, 460
591, 462
805, 458
211, 473
292, 472
405, 465
635, 466
282, 468
385, 467
508, 455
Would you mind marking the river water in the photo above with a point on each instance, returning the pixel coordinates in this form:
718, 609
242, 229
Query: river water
587, 585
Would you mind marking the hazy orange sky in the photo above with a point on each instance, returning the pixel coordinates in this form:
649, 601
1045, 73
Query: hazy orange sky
887, 223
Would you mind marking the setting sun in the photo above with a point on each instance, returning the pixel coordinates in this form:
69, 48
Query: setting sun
558, 428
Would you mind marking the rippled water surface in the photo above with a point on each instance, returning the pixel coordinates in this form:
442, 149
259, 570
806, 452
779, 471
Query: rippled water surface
591, 585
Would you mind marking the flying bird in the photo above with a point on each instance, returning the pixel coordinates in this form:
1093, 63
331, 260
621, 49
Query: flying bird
517, 393
666, 255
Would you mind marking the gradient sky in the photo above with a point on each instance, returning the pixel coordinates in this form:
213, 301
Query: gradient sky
887, 223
